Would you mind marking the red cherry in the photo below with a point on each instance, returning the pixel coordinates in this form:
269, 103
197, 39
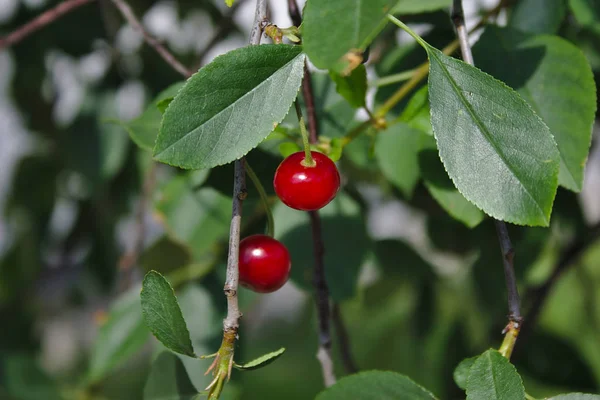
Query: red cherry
306, 188
264, 263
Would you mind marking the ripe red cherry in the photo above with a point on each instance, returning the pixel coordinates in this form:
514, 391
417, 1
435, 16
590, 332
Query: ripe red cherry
306, 188
264, 263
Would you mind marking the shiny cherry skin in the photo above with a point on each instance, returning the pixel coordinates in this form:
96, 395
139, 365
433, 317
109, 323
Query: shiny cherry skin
264, 263
306, 188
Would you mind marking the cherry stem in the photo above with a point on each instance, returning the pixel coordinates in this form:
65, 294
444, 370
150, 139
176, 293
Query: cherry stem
308, 160
263, 198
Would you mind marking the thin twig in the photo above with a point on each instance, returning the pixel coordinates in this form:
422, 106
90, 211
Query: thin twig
319, 281
508, 253
41, 21
569, 258
343, 340
169, 58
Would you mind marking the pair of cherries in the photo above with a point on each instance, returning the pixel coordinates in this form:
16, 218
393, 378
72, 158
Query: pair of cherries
265, 262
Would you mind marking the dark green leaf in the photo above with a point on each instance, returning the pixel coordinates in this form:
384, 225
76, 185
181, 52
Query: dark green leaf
143, 130
352, 87
168, 380
376, 385
576, 396
493, 377
462, 370
419, 6
121, 336
556, 80
164, 255
228, 107
262, 361
538, 16
398, 259
341, 218
162, 314
331, 29
396, 151
441, 188
497, 151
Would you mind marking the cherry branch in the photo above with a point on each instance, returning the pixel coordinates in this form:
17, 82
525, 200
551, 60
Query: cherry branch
508, 252
41, 21
169, 58
319, 281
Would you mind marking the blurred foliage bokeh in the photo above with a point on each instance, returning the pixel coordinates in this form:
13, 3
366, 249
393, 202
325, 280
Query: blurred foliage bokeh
85, 213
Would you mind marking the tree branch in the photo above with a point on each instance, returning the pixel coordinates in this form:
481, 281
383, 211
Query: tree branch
514, 309
343, 340
169, 58
41, 21
320, 283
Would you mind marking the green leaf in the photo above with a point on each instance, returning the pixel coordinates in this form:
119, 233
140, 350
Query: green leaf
375, 385
396, 151
162, 314
417, 113
587, 13
538, 16
168, 380
340, 218
163, 104
497, 151
419, 6
120, 337
25, 380
462, 371
164, 255
442, 189
556, 80
288, 148
228, 107
353, 87
575, 396
262, 361
334, 28
197, 218
143, 130
493, 377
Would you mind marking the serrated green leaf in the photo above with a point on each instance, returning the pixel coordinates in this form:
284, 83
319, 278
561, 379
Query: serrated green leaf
333, 28
537, 16
341, 217
120, 337
497, 151
352, 87
493, 377
143, 130
554, 77
419, 6
228, 107
375, 385
441, 187
262, 361
163, 316
396, 151
575, 396
462, 371
168, 380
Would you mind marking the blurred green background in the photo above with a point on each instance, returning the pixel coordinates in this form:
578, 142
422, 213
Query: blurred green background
417, 290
